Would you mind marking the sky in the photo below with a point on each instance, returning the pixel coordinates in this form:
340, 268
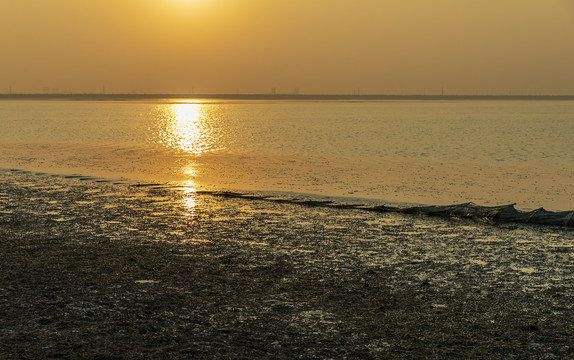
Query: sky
310, 46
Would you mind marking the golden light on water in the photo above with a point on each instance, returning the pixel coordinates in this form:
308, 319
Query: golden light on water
189, 198
186, 127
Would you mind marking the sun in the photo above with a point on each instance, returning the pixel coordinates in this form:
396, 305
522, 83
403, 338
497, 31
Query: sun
189, 2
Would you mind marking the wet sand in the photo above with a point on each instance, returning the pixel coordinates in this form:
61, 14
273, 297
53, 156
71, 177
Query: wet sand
393, 180
102, 271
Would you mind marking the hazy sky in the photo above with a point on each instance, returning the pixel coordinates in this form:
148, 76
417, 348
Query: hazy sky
318, 46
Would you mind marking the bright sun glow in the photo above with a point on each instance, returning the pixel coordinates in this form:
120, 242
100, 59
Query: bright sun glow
188, 127
189, 198
181, 128
189, 2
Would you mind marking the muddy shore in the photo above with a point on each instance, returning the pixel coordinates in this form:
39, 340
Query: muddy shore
106, 271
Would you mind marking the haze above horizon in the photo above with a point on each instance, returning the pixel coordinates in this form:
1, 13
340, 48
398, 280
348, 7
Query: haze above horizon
517, 47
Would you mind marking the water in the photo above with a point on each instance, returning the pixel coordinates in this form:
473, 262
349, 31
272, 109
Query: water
499, 131
212, 270
433, 152
397, 152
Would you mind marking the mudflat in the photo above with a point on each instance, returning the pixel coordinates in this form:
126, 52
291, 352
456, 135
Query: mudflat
96, 270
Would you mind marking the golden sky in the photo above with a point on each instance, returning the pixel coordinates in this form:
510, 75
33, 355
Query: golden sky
318, 46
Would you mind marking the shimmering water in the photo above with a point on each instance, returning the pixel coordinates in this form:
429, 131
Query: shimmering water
490, 152
308, 265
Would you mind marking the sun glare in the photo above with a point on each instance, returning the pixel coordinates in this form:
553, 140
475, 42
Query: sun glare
189, 198
188, 129
189, 2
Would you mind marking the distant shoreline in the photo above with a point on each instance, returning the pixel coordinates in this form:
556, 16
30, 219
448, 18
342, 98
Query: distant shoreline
298, 97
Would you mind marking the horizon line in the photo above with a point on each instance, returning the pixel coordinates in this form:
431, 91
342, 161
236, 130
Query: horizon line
268, 96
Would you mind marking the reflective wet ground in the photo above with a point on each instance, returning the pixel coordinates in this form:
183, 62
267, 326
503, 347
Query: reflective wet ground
96, 268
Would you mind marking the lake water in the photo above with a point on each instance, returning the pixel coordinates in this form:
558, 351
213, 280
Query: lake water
427, 152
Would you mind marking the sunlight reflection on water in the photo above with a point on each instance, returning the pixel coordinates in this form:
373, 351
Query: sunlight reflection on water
187, 127
189, 198
490, 153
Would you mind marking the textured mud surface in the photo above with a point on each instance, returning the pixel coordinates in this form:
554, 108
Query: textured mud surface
93, 270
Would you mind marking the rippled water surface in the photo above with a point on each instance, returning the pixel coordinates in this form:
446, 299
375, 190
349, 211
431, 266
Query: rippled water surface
117, 219
424, 152
510, 131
